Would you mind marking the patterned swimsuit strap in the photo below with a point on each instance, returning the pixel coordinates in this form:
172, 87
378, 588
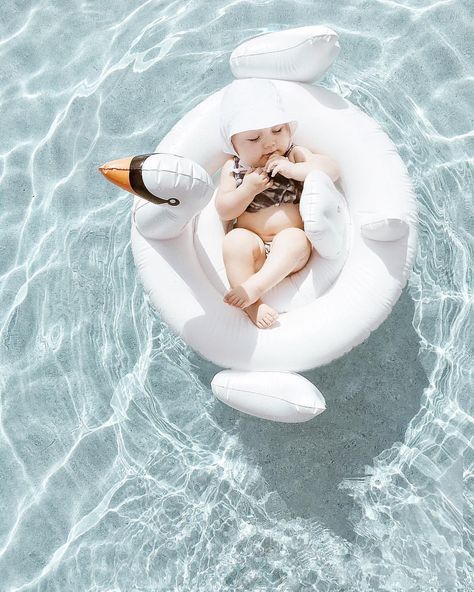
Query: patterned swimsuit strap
289, 150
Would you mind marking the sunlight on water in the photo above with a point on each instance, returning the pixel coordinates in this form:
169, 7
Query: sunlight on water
118, 468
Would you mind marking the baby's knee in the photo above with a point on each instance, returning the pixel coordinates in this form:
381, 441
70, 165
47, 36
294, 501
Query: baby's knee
295, 240
236, 238
241, 241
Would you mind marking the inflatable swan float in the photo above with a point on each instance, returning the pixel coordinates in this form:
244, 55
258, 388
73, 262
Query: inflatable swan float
326, 308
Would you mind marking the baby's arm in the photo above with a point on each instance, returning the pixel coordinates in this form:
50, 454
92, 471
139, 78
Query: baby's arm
306, 161
303, 161
231, 201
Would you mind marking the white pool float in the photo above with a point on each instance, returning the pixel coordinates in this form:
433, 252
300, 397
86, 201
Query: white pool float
328, 307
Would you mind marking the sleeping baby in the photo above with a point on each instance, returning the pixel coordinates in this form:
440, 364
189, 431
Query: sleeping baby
259, 191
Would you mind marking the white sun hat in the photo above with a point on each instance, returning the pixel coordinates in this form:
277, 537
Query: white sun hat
252, 104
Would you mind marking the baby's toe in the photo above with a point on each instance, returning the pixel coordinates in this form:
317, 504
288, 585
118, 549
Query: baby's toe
273, 318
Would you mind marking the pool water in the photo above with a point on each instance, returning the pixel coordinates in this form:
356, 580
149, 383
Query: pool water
119, 470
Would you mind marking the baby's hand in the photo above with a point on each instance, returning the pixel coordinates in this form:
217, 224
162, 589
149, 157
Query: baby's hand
256, 181
280, 164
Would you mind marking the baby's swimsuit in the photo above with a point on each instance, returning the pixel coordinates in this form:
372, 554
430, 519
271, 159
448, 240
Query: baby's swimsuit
283, 191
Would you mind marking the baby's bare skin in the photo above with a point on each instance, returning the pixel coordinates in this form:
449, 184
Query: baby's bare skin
246, 294
261, 314
290, 252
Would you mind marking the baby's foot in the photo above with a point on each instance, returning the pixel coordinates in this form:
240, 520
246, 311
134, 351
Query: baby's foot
245, 294
261, 314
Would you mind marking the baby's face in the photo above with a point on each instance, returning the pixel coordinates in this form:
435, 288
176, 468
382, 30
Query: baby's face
256, 146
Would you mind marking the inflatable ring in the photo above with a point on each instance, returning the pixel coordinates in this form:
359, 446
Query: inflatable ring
329, 306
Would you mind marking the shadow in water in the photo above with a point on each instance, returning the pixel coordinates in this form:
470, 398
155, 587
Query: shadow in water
371, 395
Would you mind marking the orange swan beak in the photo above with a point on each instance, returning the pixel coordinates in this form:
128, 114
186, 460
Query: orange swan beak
118, 172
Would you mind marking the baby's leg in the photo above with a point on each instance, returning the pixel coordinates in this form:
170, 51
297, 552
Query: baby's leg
244, 254
290, 252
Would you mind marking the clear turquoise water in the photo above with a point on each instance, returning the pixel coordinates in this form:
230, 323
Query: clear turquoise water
119, 471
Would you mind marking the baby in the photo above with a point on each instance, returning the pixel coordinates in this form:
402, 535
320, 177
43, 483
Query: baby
260, 189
